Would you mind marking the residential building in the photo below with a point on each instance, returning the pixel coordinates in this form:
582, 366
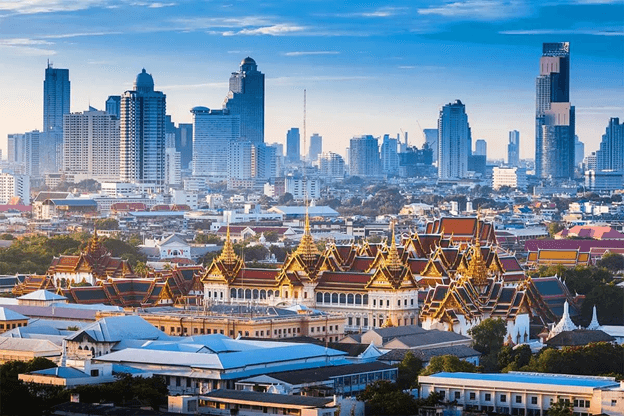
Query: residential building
331, 166
454, 142
480, 148
173, 167
184, 143
611, 153
91, 145
554, 118
591, 161
604, 180
240, 161
316, 147
530, 394
265, 161
512, 177
513, 149
303, 188
142, 137
389, 156
229, 402
293, 145
23, 152
10, 320
246, 100
213, 133
113, 105
431, 138
364, 157
56, 99
14, 185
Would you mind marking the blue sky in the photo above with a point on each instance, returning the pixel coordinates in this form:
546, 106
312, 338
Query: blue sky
368, 67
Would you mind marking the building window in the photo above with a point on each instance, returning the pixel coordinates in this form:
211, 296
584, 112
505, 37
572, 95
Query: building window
374, 302
533, 400
518, 399
178, 382
488, 397
95, 373
503, 398
387, 303
473, 396
365, 321
457, 395
350, 321
613, 402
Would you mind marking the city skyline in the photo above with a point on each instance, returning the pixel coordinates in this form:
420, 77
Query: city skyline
376, 70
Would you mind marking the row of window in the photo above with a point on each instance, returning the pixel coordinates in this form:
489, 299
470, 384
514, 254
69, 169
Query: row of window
260, 333
517, 399
342, 298
11, 326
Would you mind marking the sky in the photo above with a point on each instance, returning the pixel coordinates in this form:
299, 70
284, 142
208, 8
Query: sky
368, 67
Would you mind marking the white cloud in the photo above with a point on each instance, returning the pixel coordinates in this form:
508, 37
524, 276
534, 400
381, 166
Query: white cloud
158, 5
80, 34
591, 32
26, 47
273, 30
306, 53
23, 42
479, 9
383, 12
206, 23
48, 6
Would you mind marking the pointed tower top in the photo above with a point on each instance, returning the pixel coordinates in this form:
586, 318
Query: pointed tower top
307, 249
228, 256
594, 324
565, 324
393, 260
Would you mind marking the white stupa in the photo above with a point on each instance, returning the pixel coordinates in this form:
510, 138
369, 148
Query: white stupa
565, 324
594, 325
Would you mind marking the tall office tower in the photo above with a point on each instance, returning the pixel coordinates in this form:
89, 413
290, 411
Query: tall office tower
279, 158
364, 156
56, 97
173, 171
214, 131
454, 142
431, 138
12, 185
265, 161
113, 105
293, 145
91, 145
23, 152
480, 148
579, 151
316, 147
331, 165
142, 138
554, 117
513, 149
611, 153
184, 143
389, 156
240, 162
246, 99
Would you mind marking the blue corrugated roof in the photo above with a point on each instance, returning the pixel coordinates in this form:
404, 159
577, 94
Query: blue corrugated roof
74, 202
534, 378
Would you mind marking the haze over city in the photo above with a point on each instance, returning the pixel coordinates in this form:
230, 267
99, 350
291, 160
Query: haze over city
372, 69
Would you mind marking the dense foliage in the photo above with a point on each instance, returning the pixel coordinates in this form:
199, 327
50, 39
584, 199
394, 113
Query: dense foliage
151, 391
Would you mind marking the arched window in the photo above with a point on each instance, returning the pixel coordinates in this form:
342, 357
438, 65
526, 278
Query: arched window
263, 294
255, 293
350, 299
80, 348
233, 293
247, 293
240, 294
365, 299
343, 298
334, 298
319, 297
270, 293
327, 298
358, 299
92, 352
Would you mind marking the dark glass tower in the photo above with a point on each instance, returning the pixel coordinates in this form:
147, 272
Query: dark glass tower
246, 99
554, 118
56, 95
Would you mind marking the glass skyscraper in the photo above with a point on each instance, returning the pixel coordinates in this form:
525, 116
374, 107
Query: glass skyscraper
142, 136
611, 153
246, 100
554, 118
513, 149
293, 145
454, 142
56, 97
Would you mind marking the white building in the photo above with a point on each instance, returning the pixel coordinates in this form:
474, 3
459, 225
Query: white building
182, 197
91, 145
12, 185
603, 180
530, 394
173, 167
301, 188
512, 177
331, 166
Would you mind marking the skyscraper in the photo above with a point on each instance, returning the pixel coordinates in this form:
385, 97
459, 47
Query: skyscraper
293, 145
364, 157
554, 118
579, 151
214, 131
56, 98
142, 137
316, 147
431, 138
481, 148
91, 145
113, 105
454, 142
246, 99
513, 149
611, 153
184, 143
389, 156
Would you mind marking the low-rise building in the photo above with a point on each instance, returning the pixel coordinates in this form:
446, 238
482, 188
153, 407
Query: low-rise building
512, 177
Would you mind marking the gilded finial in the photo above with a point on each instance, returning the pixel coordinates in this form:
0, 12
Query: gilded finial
228, 256
307, 249
393, 261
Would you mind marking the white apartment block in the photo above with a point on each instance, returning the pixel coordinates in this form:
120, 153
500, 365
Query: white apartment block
91, 146
302, 188
512, 177
173, 167
527, 394
12, 185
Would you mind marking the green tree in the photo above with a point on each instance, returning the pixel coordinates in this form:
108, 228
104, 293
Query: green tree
408, 371
125, 250
609, 301
141, 269
384, 398
7, 236
107, 224
489, 335
285, 199
560, 408
554, 227
271, 236
512, 359
448, 364
610, 261
203, 238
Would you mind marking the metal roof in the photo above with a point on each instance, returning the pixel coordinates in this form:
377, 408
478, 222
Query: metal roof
7, 314
43, 295
275, 399
535, 378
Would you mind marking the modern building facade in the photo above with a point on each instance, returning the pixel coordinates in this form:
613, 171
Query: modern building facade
513, 149
113, 105
389, 156
56, 100
246, 100
579, 151
513, 177
454, 142
554, 118
23, 152
316, 147
611, 153
213, 133
480, 148
12, 185
142, 137
293, 145
364, 157
431, 138
331, 166
91, 145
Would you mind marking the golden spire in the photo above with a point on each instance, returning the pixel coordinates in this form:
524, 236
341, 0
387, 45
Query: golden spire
393, 261
307, 249
228, 256
477, 269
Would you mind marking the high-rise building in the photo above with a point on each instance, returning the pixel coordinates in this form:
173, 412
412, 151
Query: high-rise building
246, 99
142, 137
113, 105
265, 161
611, 153
480, 148
279, 158
554, 118
56, 99
316, 147
240, 162
173, 170
579, 151
23, 152
454, 142
14, 185
389, 156
91, 145
213, 133
293, 141
184, 143
431, 138
364, 157
331, 166
513, 149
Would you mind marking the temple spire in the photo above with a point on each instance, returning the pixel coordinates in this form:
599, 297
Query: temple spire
565, 324
594, 324
307, 249
393, 261
228, 256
